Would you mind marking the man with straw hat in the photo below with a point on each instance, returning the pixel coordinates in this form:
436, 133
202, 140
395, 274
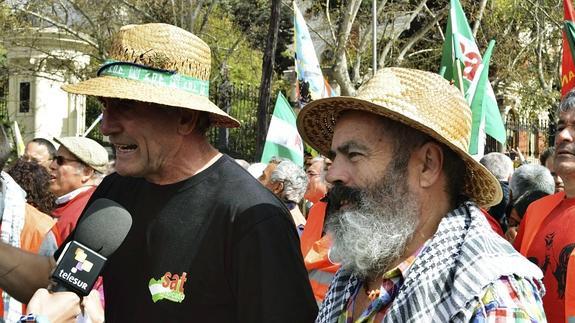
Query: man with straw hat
407, 228
208, 243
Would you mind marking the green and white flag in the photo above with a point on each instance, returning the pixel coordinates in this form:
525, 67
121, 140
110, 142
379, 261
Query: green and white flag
283, 140
460, 49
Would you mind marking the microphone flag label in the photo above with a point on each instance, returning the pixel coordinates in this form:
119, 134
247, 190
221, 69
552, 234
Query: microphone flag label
78, 268
169, 287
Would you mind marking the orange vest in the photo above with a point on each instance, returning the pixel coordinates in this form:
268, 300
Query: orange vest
314, 248
536, 213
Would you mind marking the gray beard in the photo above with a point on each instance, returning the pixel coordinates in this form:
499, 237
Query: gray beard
369, 237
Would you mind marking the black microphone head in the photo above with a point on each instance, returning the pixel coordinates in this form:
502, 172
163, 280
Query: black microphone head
104, 227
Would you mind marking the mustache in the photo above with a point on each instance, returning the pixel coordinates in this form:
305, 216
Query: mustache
340, 195
565, 148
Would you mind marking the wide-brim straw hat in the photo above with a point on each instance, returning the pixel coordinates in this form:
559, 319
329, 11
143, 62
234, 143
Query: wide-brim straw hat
157, 63
421, 100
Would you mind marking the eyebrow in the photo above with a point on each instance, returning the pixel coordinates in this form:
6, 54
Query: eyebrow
346, 147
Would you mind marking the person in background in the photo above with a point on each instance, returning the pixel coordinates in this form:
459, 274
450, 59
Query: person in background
21, 225
518, 211
317, 187
41, 151
547, 159
407, 229
75, 172
501, 166
530, 178
314, 242
546, 234
34, 179
288, 182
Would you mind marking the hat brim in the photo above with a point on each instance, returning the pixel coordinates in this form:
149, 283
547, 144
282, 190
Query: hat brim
316, 123
114, 87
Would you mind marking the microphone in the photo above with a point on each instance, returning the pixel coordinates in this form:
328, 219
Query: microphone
100, 232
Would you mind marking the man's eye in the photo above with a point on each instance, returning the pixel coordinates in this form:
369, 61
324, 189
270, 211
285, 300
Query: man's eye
353, 154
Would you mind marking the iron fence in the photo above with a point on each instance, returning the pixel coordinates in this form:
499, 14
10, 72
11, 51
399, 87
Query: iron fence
241, 102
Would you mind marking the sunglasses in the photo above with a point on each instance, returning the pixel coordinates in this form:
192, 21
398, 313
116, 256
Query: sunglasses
61, 160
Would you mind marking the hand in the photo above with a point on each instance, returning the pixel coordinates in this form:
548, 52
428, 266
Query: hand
56, 307
511, 234
93, 307
517, 151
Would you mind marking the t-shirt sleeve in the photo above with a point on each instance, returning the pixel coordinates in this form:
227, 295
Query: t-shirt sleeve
269, 276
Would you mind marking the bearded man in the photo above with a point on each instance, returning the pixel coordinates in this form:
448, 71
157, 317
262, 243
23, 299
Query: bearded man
404, 210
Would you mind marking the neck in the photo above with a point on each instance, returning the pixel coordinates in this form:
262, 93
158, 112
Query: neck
569, 187
194, 156
433, 208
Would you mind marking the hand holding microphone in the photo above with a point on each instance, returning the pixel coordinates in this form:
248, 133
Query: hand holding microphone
97, 236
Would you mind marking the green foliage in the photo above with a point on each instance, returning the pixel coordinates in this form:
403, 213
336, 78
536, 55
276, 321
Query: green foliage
230, 47
252, 18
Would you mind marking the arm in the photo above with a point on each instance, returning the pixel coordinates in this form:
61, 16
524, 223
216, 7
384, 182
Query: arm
510, 299
22, 273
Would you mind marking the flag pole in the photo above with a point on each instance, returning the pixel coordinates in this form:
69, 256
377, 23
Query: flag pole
374, 35
92, 125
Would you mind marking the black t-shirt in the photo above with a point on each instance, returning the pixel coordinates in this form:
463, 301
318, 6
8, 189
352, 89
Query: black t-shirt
217, 247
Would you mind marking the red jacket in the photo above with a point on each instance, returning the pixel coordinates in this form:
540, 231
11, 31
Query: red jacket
68, 213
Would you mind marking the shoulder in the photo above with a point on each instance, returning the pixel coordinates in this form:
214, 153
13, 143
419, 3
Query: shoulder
38, 219
513, 298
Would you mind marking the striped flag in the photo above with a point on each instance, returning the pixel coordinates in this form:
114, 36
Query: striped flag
311, 83
283, 140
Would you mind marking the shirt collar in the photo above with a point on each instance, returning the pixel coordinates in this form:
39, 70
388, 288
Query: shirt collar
70, 195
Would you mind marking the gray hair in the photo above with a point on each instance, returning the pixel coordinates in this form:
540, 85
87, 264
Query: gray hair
529, 178
294, 179
567, 103
500, 165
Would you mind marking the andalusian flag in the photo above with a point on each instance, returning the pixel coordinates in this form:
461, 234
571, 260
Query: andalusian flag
478, 105
283, 140
567, 66
461, 63
309, 75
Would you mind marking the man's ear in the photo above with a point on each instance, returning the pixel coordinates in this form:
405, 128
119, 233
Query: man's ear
87, 173
430, 159
277, 187
188, 121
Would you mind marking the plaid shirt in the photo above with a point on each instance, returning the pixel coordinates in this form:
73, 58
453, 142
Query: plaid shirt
506, 300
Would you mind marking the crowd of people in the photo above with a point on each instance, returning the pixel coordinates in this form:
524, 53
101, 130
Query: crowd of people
392, 220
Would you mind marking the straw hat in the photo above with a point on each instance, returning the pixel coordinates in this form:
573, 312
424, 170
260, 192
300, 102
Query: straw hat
422, 100
157, 63
87, 150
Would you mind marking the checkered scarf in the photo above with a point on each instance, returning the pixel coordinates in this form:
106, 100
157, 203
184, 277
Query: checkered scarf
446, 281
12, 225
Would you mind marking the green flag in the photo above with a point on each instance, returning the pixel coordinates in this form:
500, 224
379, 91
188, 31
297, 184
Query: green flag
282, 139
460, 53
479, 103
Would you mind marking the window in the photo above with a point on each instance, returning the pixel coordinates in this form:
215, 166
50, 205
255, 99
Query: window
24, 97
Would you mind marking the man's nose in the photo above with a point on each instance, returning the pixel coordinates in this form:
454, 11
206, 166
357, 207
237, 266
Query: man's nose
109, 124
337, 173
